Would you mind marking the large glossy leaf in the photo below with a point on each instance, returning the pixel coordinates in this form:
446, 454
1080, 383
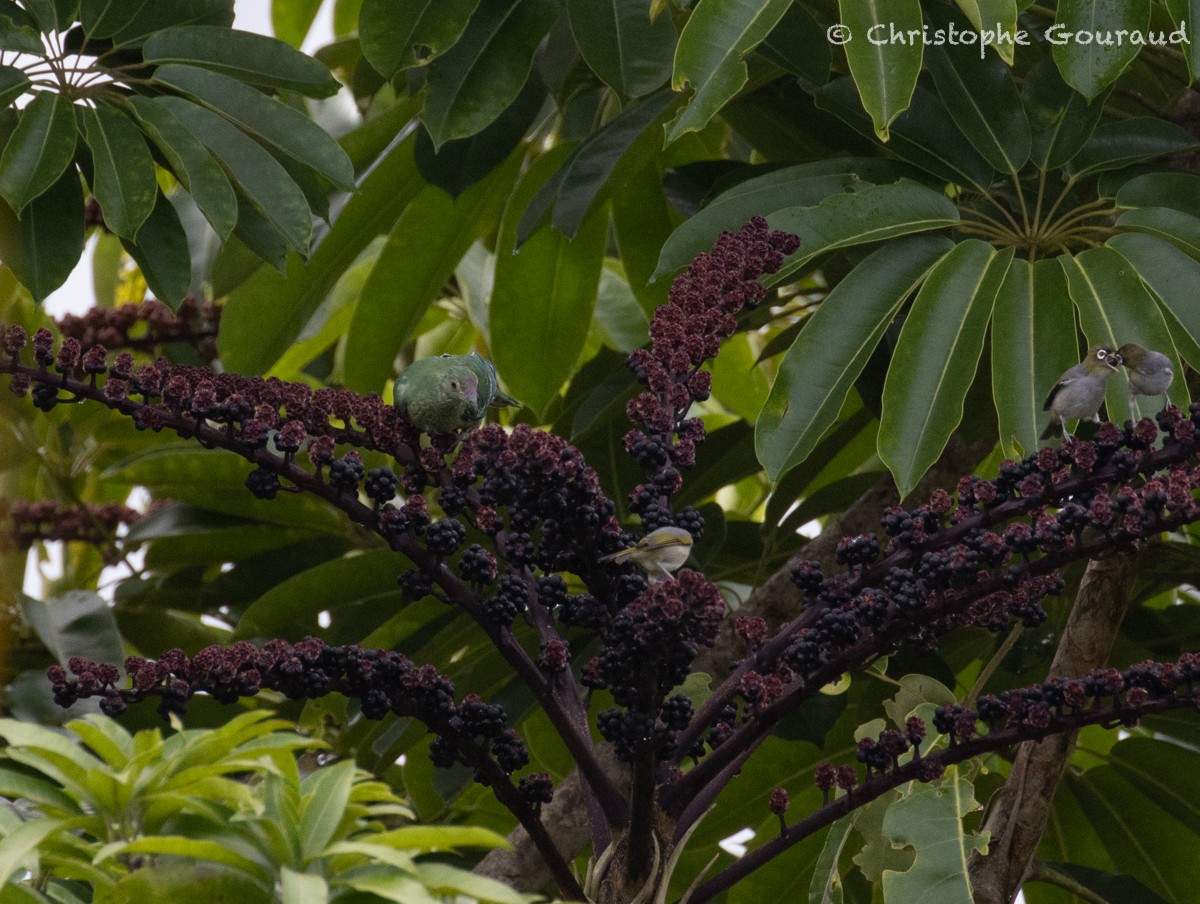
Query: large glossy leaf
124, 182
1086, 64
398, 34
718, 34
475, 81
245, 56
427, 243
818, 371
265, 183
642, 220
78, 623
1118, 144
922, 135
161, 251
43, 246
884, 69
1060, 118
857, 217
262, 319
994, 19
39, 149
1115, 308
630, 53
1186, 15
1177, 191
543, 295
1031, 328
1172, 276
19, 32
983, 101
1180, 229
276, 124
13, 83
103, 18
160, 14
936, 357
805, 185
800, 45
191, 163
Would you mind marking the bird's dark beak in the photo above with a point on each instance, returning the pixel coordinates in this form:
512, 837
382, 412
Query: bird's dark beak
1114, 361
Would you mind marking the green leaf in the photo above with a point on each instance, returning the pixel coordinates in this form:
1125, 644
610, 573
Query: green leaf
1177, 191
477, 79
1060, 118
291, 20
629, 52
242, 55
400, 34
39, 150
191, 163
936, 357
1186, 14
427, 243
104, 18
930, 819
447, 879
709, 58
986, 15
13, 83
276, 124
642, 219
262, 319
983, 101
124, 182
1110, 887
1031, 329
544, 294
799, 44
43, 246
266, 184
1118, 144
18, 32
1115, 308
1170, 274
326, 793
818, 371
22, 842
161, 251
805, 185
302, 888
1180, 229
162, 14
885, 71
1089, 66
77, 623
178, 846
855, 218
921, 134
826, 887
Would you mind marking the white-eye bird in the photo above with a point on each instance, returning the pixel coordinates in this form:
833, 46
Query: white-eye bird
1079, 392
660, 552
448, 393
1149, 373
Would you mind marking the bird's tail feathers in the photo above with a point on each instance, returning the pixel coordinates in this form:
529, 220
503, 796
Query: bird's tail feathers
1053, 429
617, 557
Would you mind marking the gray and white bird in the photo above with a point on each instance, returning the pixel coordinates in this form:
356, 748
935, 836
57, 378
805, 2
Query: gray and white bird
1079, 392
1149, 373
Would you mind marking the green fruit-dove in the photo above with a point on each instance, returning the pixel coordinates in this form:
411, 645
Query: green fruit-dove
449, 393
1079, 392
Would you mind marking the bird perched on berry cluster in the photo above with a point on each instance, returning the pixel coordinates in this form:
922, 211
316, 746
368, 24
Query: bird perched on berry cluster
449, 393
1149, 373
660, 552
1079, 392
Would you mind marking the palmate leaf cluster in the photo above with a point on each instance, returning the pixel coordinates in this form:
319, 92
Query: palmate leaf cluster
1022, 206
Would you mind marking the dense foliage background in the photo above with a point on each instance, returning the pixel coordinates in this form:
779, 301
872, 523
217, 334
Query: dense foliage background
524, 179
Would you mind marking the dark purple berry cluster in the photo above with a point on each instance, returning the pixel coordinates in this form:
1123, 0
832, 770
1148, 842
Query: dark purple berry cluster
141, 327
46, 519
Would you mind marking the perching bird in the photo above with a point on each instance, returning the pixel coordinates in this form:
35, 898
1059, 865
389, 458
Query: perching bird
448, 393
660, 552
1149, 373
1080, 391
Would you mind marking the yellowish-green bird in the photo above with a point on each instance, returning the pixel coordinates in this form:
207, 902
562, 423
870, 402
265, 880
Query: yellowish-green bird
1079, 392
1149, 372
449, 393
660, 552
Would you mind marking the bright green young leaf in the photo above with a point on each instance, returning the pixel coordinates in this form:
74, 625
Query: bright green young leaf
477, 79
43, 246
124, 182
400, 34
13, 83
191, 163
1170, 274
161, 251
630, 53
826, 887
266, 184
291, 20
1060, 118
936, 357
544, 294
857, 217
983, 101
278, 125
447, 879
302, 888
104, 18
922, 134
1090, 66
884, 68
1186, 15
1032, 326
17, 845
262, 318
179, 846
930, 820
818, 371
709, 58
1118, 144
1114, 307
242, 55
426, 244
39, 150
997, 20
326, 793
